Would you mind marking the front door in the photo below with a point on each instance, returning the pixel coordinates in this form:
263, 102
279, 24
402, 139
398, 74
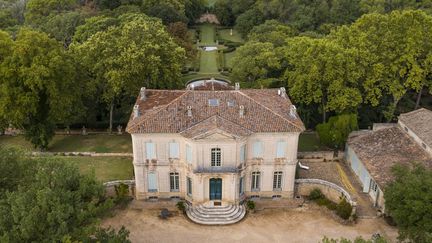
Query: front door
215, 189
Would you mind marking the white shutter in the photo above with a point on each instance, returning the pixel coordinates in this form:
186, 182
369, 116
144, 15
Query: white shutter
188, 153
152, 182
174, 150
242, 153
280, 149
150, 151
257, 149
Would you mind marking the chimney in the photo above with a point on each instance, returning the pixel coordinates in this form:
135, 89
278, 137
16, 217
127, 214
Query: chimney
293, 111
136, 111
241, 111
282, 92
189, 111
143, 94
237, 86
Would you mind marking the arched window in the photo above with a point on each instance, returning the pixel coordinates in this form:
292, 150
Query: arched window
215, 157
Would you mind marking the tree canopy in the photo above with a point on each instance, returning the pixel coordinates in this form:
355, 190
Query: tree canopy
37, 84
408, 201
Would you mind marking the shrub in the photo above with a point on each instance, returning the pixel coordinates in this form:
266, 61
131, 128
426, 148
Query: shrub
181, 206
344, 209
335, 132
122, 195
315, 194
250, 205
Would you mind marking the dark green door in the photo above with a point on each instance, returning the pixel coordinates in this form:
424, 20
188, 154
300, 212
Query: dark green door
215, 189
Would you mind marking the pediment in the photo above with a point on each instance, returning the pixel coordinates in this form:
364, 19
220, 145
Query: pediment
215, 134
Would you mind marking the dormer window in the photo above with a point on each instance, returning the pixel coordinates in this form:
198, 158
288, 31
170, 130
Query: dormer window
215, 157
213, 102
231, 103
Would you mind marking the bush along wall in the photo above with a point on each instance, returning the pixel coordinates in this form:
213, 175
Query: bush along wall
343, 209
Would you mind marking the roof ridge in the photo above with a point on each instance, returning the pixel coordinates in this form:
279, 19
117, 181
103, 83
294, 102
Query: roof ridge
301, 128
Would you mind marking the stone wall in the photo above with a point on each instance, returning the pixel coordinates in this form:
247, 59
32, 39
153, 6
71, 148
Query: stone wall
320, 156
110, 187
330, 190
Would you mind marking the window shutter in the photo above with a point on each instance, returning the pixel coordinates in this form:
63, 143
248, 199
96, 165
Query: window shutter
242, 153
150, 151
152, 182
280, 150
174, 150
188, 153
257, 149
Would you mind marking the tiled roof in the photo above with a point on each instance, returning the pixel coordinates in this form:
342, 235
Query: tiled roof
420, 122
165, 111
380, 150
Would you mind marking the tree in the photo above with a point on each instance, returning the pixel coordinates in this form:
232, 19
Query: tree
407, 201
246, 21
37, 10
334, 133
167, 13
194, 9
49, 201
37, 85
253, 62
62, 26
322, 72
179, 31
272, 31
356, 240
92, 26
223, 11
397, 54
138, 52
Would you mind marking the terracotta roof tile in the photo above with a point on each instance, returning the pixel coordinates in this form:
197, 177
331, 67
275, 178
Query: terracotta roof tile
380, 150
420, 122
166, 112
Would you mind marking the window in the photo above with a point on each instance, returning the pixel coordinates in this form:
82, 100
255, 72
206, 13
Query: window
152, 182
241, 190
242, 153
373, 186
174, 182
213, 102
277, 181
257, 149
174, 150
215, 157
280, 149
255, 181
150, 150
189, 186
231, 103
188, 153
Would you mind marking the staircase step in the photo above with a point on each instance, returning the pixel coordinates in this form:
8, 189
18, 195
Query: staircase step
216, 215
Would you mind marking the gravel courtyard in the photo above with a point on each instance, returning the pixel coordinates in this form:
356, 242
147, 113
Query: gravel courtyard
276, 225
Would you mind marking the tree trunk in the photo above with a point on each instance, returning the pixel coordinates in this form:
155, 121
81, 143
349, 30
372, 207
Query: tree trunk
111, 117
324, 114
419, 95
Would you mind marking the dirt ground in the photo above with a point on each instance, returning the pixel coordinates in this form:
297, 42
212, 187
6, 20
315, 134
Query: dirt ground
281, 225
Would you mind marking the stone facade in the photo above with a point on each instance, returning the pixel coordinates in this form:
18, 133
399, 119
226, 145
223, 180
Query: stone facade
200, 171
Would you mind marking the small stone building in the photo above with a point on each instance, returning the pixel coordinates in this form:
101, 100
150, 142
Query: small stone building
372, 154
213, 144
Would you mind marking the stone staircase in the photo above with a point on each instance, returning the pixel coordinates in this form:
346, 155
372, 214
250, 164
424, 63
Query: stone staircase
221, 215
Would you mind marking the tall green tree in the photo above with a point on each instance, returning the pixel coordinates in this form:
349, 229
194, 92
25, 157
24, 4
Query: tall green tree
138, 52
322, 72
335, 132
253, 62
246, 21
37, 10
408, 201
398, 54
37, 85
272, 31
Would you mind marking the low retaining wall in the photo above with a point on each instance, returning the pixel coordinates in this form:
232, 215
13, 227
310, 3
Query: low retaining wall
330, 190
320, 156
88, 154
110, 187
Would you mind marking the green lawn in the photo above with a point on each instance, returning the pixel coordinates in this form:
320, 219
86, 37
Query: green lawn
309, 142
100, 143
208, 62
105, 168
226, 35
207, 34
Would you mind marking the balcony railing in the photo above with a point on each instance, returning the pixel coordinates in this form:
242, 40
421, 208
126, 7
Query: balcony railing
216, 169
